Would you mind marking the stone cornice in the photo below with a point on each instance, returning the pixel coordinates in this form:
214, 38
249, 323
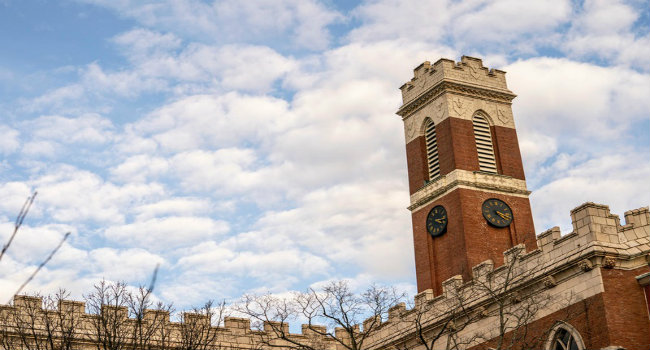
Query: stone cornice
467, 179
449, 85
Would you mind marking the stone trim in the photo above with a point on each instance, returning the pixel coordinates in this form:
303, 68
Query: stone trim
569, 328
450, 86
476, 180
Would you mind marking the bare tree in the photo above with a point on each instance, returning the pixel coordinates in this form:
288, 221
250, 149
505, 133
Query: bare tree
149, 320
38, 322
453, 315
17, 224
27, 318
63, 322
198, 329
335, 306
108, 304
8, 339
514, 295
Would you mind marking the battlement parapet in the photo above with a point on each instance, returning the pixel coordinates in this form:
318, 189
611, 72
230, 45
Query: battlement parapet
236, 332
597, 241
396, 311
313, 329
469, 72
115, 311
237, 325
79, 307
157, 315
275, 326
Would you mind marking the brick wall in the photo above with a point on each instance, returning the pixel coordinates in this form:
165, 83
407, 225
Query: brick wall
625, 307
469, 240
616, 317
507, 151
586, 316
418, 171
457, 150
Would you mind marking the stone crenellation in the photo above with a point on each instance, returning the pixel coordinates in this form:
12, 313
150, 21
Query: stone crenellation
598, 240
469, 75
234, 333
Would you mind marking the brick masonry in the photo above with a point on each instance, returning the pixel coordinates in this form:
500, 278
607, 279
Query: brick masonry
469, 239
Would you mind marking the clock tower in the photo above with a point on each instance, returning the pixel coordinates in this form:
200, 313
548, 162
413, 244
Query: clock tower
469, 200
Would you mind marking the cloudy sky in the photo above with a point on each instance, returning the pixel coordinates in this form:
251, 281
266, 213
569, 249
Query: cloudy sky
252, 146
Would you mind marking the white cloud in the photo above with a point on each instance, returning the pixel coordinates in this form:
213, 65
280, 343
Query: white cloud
32, 244
501, 22
87, 128
619, 180
131, 265
494, 26
9, 142
357, 225
605, 29
399, 19
226, 170
536, 148
140, 44
595, 104
47, 149
71, 195
266, 265
122, 83
12, 197
215, 121
194, 69
56, 98
174, 206
139, 168
166, 233
305, 22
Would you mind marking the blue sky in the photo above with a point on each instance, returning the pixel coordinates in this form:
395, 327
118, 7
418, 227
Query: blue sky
253, 146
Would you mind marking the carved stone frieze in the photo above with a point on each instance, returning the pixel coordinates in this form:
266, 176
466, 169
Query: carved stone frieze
473, 72
441, 104
457, 89
410, 128
413, 124
460, 107
503, 115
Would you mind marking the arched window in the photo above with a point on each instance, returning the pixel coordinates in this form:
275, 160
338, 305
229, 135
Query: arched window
486, 160
565, 337
432, 149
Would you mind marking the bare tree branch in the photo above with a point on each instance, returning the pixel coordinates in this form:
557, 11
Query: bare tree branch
40, 266
19, 222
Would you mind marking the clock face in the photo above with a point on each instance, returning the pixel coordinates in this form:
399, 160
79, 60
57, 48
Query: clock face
437, 221
497, 212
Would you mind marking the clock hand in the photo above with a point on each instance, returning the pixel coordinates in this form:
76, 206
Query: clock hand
505, 216
440, 221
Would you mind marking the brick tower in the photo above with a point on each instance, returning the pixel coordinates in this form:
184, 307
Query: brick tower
469, 200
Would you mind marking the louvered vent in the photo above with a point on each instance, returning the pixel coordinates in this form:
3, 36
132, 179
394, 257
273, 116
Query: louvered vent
484, 146
432, 150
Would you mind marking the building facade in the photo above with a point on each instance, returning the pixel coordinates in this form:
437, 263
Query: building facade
485, 279
475, 243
